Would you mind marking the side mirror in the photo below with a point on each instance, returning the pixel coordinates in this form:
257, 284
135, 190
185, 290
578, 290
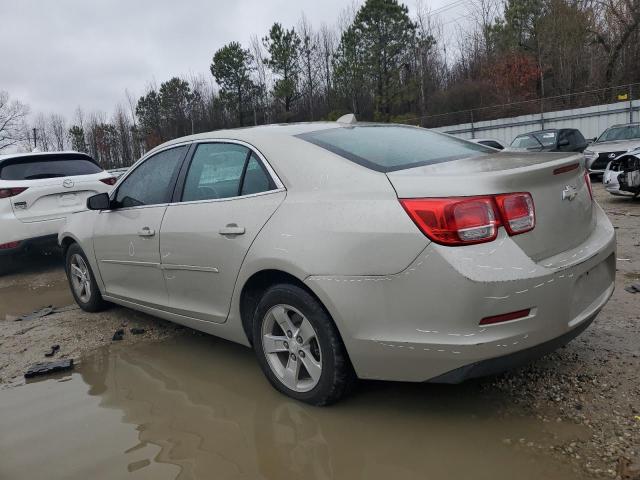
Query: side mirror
563, 143
101, 201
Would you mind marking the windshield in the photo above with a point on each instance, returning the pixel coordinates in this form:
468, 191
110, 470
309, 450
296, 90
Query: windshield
393, 147
624, 132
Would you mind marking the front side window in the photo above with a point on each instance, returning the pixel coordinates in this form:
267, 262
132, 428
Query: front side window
152, 182
224, 170
548, 139
393, 147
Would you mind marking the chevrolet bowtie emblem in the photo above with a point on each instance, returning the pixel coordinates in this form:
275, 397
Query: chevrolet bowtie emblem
569, 193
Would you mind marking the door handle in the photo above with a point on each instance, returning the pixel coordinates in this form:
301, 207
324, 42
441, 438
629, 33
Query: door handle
146, 232
231, 229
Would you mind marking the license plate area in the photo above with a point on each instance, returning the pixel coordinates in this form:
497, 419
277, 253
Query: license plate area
591, 284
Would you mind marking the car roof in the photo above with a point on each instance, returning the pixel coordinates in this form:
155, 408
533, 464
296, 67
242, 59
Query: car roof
46, 155
262, 132
547, 130
634, 124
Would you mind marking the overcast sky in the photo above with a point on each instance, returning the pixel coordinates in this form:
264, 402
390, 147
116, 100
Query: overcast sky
56, 55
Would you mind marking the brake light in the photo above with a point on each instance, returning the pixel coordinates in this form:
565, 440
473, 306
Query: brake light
109, 181
566, 168
517, 211
469, 220
587, 180
11, 191
7, 246
455, 221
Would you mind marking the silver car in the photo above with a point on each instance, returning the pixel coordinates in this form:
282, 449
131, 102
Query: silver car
613, 142
346, 250
622, 175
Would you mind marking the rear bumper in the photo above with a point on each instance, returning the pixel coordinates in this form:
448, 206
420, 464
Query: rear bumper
29, 234
497, 365
423, 323
31, 243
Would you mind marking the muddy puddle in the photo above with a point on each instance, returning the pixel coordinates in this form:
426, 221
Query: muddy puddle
199, 408
35, 282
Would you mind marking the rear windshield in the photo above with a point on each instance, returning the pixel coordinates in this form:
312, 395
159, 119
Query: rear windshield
34, 168
393, 147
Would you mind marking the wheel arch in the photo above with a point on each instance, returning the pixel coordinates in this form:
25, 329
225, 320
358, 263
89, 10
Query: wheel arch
258, 283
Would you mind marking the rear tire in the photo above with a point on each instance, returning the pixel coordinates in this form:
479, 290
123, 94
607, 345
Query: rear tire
82, 281
299, 348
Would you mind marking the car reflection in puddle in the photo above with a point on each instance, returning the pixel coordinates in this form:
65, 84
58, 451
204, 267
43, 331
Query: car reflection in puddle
199, 407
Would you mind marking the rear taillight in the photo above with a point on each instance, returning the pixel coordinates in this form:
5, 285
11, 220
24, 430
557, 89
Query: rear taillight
11, 191
455, 221
587, 180
109, 181
469, 220
10, 245
517, 212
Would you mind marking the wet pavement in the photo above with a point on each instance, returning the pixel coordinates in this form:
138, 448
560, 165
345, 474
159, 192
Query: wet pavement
198, 407
36, 281
174, 403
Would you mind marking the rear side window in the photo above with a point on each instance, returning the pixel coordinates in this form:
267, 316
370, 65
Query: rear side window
393, 147
152, 182
224, 170
46, 167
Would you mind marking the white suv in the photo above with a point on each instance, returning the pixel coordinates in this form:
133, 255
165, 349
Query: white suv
39, 190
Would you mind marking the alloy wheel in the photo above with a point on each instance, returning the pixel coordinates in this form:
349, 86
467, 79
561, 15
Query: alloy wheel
80, 278
290, 345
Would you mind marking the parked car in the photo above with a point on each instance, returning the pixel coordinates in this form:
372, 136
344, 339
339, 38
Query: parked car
613, 142
622, 175
351, 250
37, 192
552, 140
489, 142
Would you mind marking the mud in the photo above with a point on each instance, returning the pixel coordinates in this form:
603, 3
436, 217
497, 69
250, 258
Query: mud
172, 403
198, 407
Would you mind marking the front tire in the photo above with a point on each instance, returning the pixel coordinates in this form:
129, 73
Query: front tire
299, 348
82, 281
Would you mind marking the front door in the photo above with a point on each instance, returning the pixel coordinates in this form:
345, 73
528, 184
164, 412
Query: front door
127, 237
228, 196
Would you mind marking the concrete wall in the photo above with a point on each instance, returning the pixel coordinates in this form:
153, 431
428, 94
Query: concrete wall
591, 121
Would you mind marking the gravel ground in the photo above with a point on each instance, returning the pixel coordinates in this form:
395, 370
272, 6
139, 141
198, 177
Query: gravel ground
595, 380
592, 382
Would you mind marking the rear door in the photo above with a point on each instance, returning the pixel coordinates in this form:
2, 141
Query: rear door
126, 239
57, 184
227, 196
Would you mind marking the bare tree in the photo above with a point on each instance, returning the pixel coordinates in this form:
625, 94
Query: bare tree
12, 121
262, 78
327, 45
58, 129
309, 49
617, 21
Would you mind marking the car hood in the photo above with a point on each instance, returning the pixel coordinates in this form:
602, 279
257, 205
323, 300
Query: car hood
617, 146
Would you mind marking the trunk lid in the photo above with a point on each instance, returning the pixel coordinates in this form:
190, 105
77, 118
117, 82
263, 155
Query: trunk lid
53, 198
563, 204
